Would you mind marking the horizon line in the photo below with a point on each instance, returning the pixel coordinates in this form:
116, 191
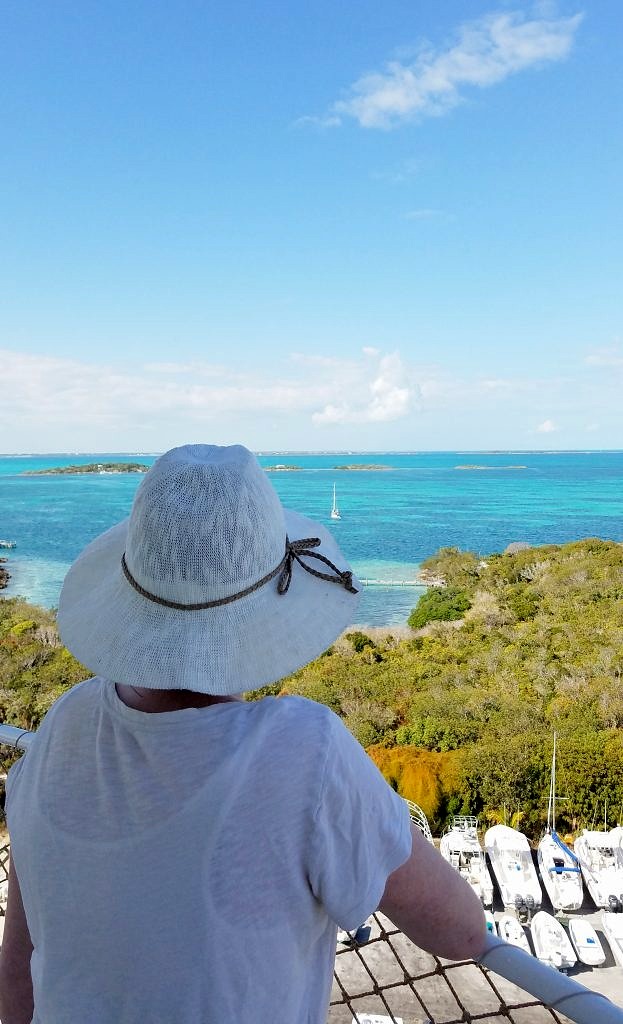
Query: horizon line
342, 451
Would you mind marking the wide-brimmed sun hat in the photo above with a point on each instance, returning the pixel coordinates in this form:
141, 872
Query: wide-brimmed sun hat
209, 585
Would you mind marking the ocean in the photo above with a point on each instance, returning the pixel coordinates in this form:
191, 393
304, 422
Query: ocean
392, 517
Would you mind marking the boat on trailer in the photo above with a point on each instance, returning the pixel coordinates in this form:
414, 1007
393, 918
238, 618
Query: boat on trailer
600, 856
558, 865
461, 848
551, 942
510, 858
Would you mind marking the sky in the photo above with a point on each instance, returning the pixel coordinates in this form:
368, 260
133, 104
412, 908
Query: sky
324, 226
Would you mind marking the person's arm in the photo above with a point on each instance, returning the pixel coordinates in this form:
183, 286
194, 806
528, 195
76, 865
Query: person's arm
16, 1000
429, 901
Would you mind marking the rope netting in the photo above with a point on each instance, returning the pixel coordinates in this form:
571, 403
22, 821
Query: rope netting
380, 973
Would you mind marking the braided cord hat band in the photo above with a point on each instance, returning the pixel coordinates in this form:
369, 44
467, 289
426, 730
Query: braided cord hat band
294, 550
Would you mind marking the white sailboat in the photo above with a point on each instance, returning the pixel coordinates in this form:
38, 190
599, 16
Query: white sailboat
335, 512
511, 861
586, 942
558, 866
511, 930
600, 856
613, 930
551, 942
461, 848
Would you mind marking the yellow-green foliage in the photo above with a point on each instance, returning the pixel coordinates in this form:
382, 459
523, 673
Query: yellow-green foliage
428, 778
35, 668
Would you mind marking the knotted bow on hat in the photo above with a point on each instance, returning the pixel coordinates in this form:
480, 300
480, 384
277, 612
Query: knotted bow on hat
294, 550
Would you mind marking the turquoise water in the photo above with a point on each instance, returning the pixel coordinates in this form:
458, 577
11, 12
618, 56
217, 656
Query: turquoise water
391, 519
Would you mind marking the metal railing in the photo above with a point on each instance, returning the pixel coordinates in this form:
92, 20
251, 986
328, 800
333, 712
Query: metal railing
382, 972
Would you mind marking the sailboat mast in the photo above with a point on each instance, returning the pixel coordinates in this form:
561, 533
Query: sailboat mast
554, 786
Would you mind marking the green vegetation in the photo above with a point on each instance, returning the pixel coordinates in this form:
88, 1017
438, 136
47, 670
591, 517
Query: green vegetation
439, 604
459, 717
90, 467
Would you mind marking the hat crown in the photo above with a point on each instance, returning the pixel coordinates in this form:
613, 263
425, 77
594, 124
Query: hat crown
206, 523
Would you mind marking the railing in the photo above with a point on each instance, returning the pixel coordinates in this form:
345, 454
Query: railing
381, 972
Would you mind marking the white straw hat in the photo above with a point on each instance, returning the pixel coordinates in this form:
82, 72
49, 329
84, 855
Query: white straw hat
210, 585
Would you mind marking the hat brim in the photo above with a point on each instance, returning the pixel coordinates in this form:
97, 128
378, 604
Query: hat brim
256, 640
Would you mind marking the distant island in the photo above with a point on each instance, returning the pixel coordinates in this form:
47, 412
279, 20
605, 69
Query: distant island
490, 467
358, 466
91, 467
281, 468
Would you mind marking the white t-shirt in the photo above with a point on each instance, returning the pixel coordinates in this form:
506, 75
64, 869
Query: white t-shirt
190, 867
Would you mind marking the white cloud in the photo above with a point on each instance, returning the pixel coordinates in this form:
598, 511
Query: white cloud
486, 52
547, 427
388, 396
68, 394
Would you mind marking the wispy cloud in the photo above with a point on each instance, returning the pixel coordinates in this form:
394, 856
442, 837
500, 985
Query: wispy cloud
434, 81
425, 213
405, 170
611, 356
52, 391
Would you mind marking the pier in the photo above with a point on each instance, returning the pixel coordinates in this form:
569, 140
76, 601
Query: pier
366, 582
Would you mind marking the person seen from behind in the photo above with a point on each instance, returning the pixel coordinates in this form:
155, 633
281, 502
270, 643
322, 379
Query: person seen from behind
180, 855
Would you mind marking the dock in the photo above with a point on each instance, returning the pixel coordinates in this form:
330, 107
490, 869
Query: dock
366, 582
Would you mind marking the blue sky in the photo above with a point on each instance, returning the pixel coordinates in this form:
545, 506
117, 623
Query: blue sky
360, 225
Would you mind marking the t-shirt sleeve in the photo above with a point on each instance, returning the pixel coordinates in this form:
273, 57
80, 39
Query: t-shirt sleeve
362, 831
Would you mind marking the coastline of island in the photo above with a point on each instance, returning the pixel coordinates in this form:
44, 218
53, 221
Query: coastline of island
94, 468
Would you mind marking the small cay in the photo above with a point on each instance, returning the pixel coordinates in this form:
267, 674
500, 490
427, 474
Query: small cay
90, 467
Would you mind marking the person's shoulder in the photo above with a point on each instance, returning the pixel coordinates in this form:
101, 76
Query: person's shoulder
299, 720
73, 701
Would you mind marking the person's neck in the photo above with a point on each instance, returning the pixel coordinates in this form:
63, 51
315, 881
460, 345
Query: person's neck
155, 701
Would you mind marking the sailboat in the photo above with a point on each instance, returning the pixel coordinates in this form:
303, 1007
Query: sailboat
558, 866
335, 512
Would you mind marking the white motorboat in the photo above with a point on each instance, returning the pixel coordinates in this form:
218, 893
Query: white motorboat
558, 866
490, 922
551, 942
600, 857
511, 930
613, 930
510, 857
335, 512
461, 848
585, 941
